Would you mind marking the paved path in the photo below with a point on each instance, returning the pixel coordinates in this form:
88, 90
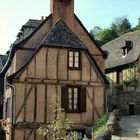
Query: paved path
130, 125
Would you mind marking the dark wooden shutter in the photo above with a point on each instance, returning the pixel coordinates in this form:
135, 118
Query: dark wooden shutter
64, 98
82, 99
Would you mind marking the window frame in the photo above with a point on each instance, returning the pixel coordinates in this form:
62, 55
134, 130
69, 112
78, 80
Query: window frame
82, 105
78, 105
79, 60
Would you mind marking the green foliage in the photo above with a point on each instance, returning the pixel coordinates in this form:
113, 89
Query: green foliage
99, 126
99, 131
107, 35
132, 82
133, 79
100, 122
119, 26
124, 26
57, 129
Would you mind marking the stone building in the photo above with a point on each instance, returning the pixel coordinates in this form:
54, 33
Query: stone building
54, 56
122, 68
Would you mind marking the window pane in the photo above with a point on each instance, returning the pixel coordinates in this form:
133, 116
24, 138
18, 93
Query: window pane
76, 59
75, 107
71, 59
75, 95
71, 64
75, 101
70, 106
76, 64
76, 54
70, 54
75, 90
70, 95
69, 90
70, 101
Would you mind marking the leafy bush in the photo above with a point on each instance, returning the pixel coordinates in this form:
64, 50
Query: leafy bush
99, 126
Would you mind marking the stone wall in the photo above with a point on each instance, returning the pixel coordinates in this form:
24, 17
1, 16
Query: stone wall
127, 102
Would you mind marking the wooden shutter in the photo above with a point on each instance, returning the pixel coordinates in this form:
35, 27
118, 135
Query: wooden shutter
64, 98
82, 99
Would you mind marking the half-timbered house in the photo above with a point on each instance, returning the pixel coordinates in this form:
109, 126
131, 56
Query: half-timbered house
56, 56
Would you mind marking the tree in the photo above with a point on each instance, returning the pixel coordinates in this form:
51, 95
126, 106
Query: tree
119, 26
124, 26
137, 27
95, 32
107, 35
58, 128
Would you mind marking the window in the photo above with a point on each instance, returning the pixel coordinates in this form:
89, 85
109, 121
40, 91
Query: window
128, 74
73, 93
73, 99
74, 59
112, 76
128, 44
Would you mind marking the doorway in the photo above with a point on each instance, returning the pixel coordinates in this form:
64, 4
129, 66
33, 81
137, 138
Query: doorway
131, 109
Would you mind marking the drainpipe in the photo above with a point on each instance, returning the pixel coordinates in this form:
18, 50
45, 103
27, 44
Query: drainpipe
13, 109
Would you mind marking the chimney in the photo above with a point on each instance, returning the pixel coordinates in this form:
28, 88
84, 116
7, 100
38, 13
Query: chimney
62, 9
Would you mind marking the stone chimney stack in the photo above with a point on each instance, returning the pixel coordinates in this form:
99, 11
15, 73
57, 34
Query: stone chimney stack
62, 9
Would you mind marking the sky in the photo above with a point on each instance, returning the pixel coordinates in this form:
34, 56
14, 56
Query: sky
15, 13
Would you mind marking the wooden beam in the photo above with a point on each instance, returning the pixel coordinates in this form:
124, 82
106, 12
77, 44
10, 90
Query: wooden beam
45, 109
25, 93
46, 62
35, 103
24, 102
93, 103
34, 134
29, 135
29, 125
57, 64
35, 67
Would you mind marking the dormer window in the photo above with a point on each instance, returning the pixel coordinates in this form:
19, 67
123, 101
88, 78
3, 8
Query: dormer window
128, 46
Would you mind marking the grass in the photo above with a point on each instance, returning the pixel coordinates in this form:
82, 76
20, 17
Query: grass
99, 126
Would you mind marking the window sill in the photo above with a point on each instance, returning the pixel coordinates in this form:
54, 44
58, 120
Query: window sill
69, 111
71, 68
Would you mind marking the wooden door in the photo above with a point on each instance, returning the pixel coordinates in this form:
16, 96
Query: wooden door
131, 109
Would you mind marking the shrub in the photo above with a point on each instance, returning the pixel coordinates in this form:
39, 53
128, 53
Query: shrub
99, 126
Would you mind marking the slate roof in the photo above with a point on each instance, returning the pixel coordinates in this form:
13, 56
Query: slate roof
99, 43
114, 48
3, 59
61, 36
32, 23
